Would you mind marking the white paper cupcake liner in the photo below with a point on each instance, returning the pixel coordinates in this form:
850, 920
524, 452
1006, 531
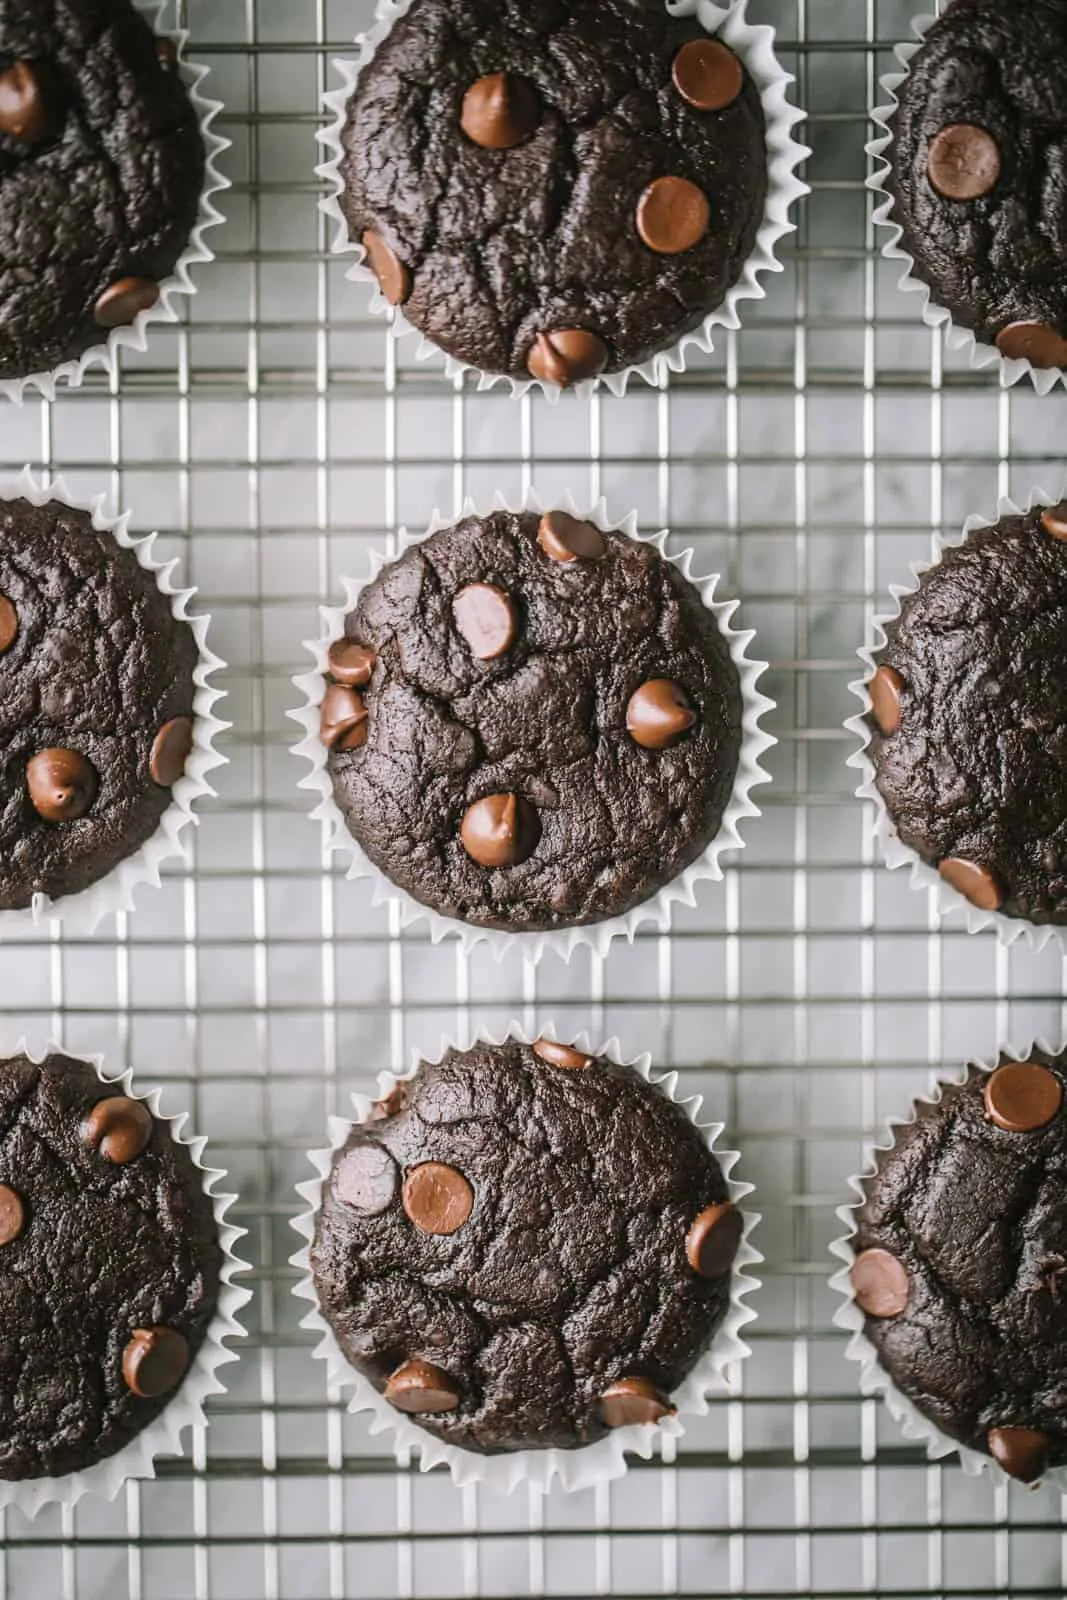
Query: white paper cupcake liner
894, 852
873, 1378
981, 357
82, 913
595, 936
754, 44
163, 1437
172, 289
716, 1373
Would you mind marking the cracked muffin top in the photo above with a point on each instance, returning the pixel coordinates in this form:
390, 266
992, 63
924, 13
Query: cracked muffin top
532, 724
553, 189
525, 1246
960, 1263
969, 718
96, 702
101, 168
109, 1267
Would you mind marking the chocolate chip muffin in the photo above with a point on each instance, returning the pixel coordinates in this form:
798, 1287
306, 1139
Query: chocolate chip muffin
960, 1263
979, 172
96, 702
101, 168
524, 1247
553, 189
109, 1267
532, 724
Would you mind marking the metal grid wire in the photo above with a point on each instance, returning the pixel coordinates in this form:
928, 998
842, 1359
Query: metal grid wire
275, 438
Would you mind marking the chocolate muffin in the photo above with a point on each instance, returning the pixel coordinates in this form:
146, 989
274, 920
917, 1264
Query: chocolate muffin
525, 1247
553, 189
101, 168
96, 702
960, 1263
109, 1267
978, 173
532, 724
969, 718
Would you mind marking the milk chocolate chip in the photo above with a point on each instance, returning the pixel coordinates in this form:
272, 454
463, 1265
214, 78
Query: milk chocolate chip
567, 356
124, 301
171, 749
633, 1400
119, 1128
417, 1386
1022, 1096
673, 215
394, 278
438, 1199
880, 1283
500, 111
565, 538
485, 616
501, 830
659, 714
712, 1242
62, 784
155, 1361
24, 110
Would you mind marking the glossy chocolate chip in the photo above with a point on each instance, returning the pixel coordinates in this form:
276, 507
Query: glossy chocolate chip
707, 75
486, 617
561, 1055
394, 278
673, 215
342, 713
712, 1242
437, 1198
9, 623
1022, 1452
1035, 342
879, 1283
500, 830
1054, 521
12, 1214
62, 784
366, 1179
974, 882
1022, 1096
567, 356
964, 162
393, 1102
351, 664
124, 301
118, 1128
500, 111
155, 1361
167, 52
24, 109
417, 1386
171, 749
659, 714
885, 690
566, 538
632, 1400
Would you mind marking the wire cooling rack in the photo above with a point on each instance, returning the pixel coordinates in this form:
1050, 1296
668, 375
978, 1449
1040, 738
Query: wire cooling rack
275, 438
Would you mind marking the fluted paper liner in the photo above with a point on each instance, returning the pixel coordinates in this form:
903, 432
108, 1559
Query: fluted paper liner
873, 1378
82, 913
172, 289
716, 1373
754, 44
980, 356
894, 852
163, 1437
596, 936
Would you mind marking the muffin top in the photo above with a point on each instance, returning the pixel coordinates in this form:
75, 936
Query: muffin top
979, 171
969, 726
109, 1267
961, 1263
101, 168
532, 724
525, 1247
96, 701
554, 188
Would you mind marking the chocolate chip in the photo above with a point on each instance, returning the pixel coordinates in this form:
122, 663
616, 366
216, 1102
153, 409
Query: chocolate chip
565, 538
975, 883
713, 1240
393, 1102
24, 110
500, 111
485, 616
659, 714
171, 749
366, 1179
394, 278
561, 1055
12, 1214
567, 356
155, 1361
124, 301
500, 830
707, 75
350, 663
1022, 1096
9, 624
673, 215
437, 1199
62, 784
633, 1400
1054, 521
964, 162
885, 689
167, 52
879, 1283
118, 1128
1022, 1452
342, 713
419, 1387
1035, 342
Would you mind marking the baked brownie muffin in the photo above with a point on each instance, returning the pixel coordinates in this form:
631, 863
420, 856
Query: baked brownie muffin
979, 172
960, 1263
101, 168
553, 189
532, 724
969, 719
109, 1267
96, 702
525, 1247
